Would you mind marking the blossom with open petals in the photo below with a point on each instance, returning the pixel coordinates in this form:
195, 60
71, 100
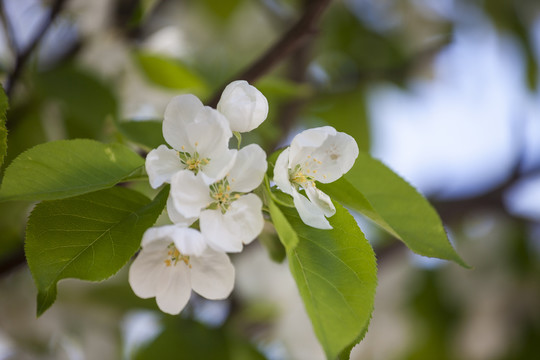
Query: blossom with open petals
173, 261
319, 154
229, 217
199, 136
243, 105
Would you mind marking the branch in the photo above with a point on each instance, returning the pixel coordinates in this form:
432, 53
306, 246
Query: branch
23, 56
286, 44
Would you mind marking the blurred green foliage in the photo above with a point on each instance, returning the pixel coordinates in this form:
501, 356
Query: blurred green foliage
74, 97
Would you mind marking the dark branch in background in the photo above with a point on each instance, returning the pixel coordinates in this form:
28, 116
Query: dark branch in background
289, 42
289, 112
22, 57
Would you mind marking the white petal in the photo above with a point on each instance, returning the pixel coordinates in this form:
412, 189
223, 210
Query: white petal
249, 169
209, 133
334, 157
190, 193
176, 217
212, 275
310, 213
304, 143
180, 111
192, 127
313, 137
245, 218
155, 237
147, 269
217, 234
219, 166
281, 172
243, 105
174, 289
320, 199
189, 241
241, 224
161, 164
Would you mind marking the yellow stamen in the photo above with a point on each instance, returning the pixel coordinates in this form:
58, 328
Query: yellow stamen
173, 256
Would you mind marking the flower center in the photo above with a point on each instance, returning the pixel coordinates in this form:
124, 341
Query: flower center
193, 162
174, 256
304, 174
221, 192
301, 176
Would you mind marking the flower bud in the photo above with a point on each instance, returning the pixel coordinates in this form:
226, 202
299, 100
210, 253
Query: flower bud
243, 105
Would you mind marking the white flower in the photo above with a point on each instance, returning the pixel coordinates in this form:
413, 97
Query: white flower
243, 105
320, 154
199, 136
174, 260
228, 218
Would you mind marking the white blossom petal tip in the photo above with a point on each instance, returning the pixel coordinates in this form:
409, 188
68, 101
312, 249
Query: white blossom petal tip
189, 193
240, 224
161, 164
248, 170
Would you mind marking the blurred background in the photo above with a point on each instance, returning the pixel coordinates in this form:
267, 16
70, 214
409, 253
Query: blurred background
444, 92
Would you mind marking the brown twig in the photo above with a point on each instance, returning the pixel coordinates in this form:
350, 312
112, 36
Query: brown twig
23, 56
289, 112
285, 45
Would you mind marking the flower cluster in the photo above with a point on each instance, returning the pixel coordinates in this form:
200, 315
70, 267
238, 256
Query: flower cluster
210, 183
213, 185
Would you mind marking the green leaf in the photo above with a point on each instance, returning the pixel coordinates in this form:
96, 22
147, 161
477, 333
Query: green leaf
65, 168
287, 235
281, 198
344, 192
12, 222
346, 353
85, 100
270, 240
285, 232
395, 205
28, 131
147, 133
3, 131
88, 237
336, 274
170, 73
